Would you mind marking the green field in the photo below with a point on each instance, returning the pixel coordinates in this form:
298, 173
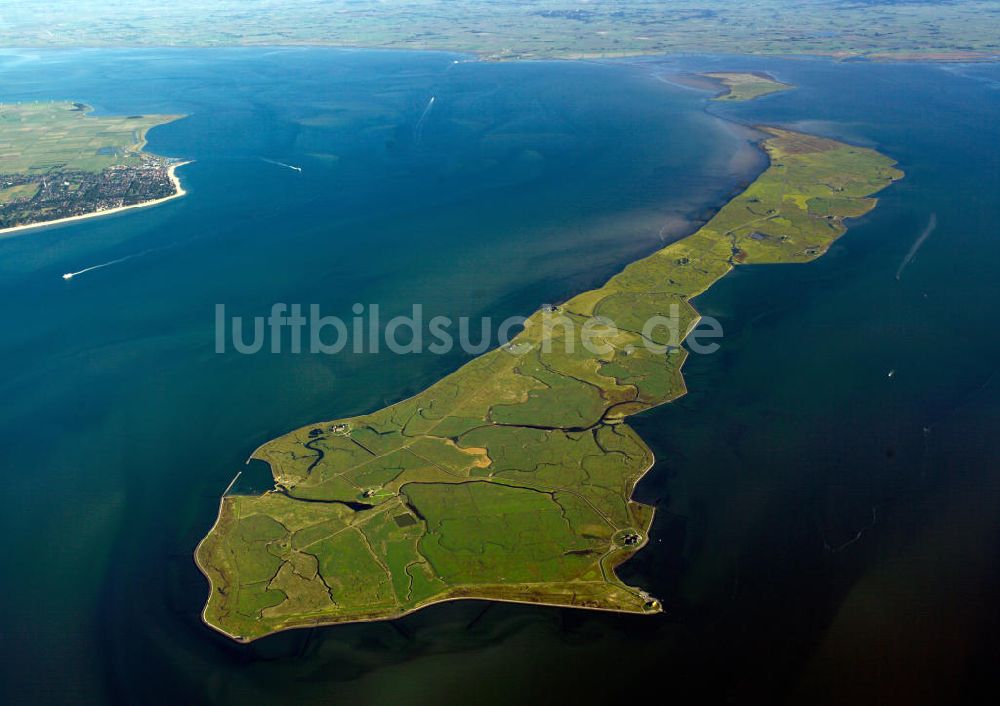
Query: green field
511, 479
18, 192
528, 28
59, 162
743, 86
36, 138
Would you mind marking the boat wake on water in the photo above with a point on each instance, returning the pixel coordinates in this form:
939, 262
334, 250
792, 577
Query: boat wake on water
71, 275
281, 164
418, 129
924, 235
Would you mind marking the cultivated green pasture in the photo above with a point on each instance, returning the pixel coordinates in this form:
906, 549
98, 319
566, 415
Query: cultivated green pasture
530, 29
511, 479
37, 138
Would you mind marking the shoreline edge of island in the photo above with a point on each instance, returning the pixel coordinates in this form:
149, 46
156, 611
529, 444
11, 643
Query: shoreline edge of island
179, 191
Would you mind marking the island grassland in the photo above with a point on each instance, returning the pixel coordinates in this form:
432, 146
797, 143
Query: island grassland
746, 85
58, 163
511, 478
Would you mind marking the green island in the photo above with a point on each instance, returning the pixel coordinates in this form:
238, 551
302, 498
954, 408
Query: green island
511, 478
746, 85
58, 163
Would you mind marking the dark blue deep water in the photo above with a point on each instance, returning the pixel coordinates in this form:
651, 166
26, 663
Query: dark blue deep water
824, 532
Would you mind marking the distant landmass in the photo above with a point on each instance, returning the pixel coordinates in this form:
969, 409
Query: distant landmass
59, 163
899, 29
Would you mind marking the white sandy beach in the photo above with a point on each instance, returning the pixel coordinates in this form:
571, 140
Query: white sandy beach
178, 192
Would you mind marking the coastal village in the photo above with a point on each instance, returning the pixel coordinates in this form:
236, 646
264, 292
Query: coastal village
58, 194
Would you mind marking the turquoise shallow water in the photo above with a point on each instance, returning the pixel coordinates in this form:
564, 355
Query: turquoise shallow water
523, 184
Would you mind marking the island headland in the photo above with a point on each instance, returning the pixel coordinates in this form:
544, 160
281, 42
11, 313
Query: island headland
60, 164
511, 479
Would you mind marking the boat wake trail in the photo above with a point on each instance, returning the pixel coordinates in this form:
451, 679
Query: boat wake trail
71, 275
281, 164
917, 244
418, 129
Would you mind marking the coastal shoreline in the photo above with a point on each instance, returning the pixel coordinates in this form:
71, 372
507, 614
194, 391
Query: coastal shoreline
179, 191
763, 135
436, 601
757, 143
242, 639
883, 56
